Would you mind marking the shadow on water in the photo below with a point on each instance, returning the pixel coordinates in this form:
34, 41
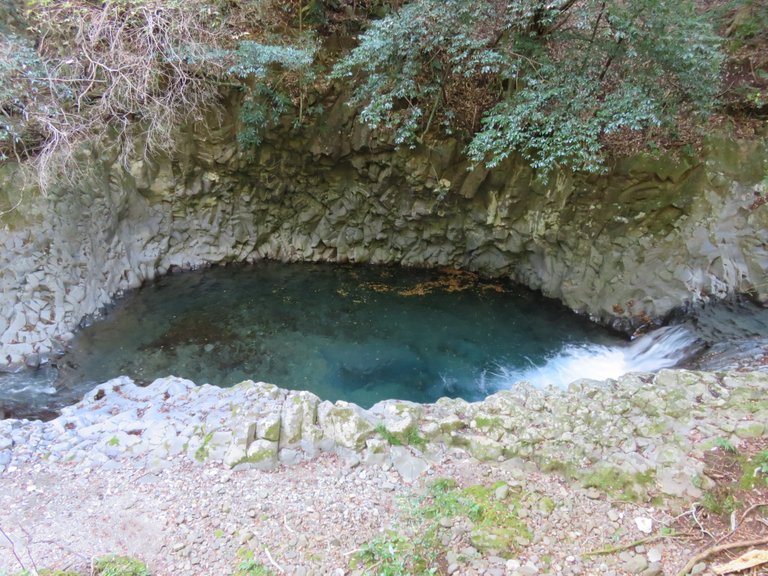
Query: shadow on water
361, 334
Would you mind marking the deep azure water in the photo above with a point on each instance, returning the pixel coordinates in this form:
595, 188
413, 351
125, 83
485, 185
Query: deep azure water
361, 334
365, 334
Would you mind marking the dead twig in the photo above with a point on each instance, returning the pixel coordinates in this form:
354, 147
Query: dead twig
750, 510
622, 547
699, 524
29, 555
272, 561
13, 548
701, 556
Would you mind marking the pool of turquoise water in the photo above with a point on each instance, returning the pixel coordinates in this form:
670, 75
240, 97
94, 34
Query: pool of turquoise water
361, 334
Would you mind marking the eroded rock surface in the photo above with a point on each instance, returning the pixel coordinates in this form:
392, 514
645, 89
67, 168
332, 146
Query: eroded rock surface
642, 432
625, 248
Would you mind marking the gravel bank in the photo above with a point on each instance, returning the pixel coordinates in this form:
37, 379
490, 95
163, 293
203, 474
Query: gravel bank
183, 518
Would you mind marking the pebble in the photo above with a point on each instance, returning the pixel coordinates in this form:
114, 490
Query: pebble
654, 569
635, 565
528, 569
501, 492
655, 554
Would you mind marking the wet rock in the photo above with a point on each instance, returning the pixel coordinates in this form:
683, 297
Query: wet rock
650, 252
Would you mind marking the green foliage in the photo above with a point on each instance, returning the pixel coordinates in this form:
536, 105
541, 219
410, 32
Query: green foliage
761, 463
258, 60
410, 437
128, 73
748, 21
486, 422
271, 73
249, 566
719, 501
617, 483
119, 566
406, 58
416, 547
261, 108
557, 79
396, 554
479, 504
755, 471
201, 454
725, 445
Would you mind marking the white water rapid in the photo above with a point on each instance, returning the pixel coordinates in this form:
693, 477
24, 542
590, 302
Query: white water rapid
662, 348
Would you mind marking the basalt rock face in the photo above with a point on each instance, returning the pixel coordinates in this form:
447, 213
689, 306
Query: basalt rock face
625, 248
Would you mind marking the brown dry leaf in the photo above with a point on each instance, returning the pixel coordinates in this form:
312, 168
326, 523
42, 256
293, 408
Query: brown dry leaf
747, 560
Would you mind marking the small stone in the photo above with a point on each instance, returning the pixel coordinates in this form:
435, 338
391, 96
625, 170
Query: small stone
698, 568
645, 525
654, 554
528, 569
501, 492
652, 570
635, 565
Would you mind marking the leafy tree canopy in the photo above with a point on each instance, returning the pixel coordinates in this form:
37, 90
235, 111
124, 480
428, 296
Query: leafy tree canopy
550, 80
559, 82
126, 73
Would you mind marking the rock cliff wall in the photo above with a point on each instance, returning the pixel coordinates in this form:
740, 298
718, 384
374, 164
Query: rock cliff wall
625, 248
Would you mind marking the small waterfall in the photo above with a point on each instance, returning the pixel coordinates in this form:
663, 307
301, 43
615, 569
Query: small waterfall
662, 348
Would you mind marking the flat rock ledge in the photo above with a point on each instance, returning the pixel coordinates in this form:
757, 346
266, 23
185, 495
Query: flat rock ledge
640, 433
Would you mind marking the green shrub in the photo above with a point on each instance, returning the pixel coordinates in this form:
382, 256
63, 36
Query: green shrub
548, 81
119, 566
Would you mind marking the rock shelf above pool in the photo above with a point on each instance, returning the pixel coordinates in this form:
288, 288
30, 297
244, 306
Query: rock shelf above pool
640, 434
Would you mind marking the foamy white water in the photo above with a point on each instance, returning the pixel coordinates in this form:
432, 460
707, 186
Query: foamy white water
662, 348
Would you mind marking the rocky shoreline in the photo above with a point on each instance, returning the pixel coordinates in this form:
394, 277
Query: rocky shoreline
641, 438
645, 427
